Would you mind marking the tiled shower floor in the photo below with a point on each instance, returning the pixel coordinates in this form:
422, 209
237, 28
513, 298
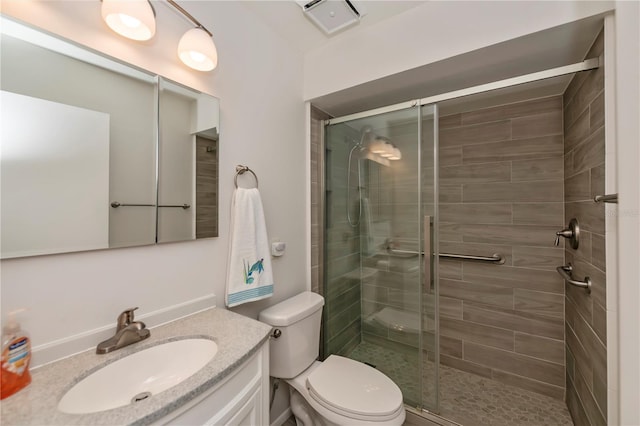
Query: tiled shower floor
466, 398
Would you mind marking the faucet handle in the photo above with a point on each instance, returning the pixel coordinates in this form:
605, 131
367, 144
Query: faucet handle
125, 318
572, 233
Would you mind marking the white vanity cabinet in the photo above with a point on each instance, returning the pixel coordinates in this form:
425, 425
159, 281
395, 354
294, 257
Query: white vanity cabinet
241, 398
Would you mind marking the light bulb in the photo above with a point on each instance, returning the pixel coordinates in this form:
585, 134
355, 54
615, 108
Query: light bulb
197, 50
129, 21
133, 19
197, 56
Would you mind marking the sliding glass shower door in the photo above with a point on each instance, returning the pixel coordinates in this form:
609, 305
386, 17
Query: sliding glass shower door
380, 236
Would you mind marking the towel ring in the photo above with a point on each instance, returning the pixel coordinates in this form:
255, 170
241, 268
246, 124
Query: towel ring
240, 169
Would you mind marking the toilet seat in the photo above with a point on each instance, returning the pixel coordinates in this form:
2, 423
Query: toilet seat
352, 389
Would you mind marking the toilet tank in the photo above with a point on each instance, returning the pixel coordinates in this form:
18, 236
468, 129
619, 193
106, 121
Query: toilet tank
298, 318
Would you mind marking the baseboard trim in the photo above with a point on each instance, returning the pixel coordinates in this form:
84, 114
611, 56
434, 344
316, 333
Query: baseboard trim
68, 346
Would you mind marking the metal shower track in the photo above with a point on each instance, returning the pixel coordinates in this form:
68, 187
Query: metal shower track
585, 65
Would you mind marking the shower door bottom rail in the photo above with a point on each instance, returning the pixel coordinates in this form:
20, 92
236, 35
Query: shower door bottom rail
494, 258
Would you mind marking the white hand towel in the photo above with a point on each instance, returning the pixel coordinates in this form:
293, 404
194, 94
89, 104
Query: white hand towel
249, 273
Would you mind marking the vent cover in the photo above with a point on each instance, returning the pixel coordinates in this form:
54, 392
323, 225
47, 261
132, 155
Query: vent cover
331, 15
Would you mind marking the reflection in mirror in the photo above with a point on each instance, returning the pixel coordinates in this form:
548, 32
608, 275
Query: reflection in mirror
188, 157
77, 134
79, 151
45, 207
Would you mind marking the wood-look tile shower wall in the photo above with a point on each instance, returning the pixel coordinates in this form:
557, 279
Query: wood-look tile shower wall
316, 158
501, 191
336, 264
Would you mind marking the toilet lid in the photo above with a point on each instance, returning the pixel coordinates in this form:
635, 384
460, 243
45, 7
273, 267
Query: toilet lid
351, 387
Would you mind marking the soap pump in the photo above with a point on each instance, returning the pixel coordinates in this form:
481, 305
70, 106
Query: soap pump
16, 355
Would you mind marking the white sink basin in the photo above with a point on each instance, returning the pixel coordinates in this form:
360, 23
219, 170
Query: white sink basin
138, 376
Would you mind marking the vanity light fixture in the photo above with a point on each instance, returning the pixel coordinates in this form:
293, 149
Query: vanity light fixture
387, 150
135, 19
382, 147
196, 48
378, 145
396, 155
391, 152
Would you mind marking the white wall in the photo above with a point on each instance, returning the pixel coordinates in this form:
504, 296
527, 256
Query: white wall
259, 83
429, 33
627, 34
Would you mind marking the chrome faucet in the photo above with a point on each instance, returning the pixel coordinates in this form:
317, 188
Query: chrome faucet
128, 331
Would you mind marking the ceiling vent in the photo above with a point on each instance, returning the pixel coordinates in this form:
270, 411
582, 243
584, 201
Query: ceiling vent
331, 15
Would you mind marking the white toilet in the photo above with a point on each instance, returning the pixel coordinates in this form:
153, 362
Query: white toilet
338, 391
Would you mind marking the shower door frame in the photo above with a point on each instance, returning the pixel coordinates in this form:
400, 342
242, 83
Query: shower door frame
585, 65
427, 250
431, 254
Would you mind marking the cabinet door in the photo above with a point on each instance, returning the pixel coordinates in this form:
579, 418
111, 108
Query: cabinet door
250, 414
241, 399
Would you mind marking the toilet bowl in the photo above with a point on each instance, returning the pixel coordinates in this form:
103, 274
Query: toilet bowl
341, 391
338, 391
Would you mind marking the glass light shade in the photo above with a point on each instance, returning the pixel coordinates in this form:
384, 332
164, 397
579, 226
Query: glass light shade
377, 146
197, 50
133, 19
397, 155
388, 151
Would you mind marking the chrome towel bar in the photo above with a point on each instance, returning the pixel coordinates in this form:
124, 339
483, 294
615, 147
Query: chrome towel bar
117, 204
494, 258
182, 206
565, 272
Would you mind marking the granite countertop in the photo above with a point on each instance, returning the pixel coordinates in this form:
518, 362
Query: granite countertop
238, 338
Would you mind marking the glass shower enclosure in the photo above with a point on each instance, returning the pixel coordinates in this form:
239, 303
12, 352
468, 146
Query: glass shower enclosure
380, 245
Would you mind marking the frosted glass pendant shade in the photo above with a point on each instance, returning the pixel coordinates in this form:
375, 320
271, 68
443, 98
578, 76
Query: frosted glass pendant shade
197, 50
133, 19
388, 151
397, 155
377, 146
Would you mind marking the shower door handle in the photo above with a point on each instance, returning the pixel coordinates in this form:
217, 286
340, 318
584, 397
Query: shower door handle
426, 250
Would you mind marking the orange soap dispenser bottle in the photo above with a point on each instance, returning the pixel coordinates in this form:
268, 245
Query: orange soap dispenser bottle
16, 355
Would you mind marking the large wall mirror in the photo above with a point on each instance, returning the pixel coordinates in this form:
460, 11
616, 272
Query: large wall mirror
98, 154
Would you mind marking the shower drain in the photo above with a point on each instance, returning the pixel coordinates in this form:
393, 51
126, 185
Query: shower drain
141, 396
